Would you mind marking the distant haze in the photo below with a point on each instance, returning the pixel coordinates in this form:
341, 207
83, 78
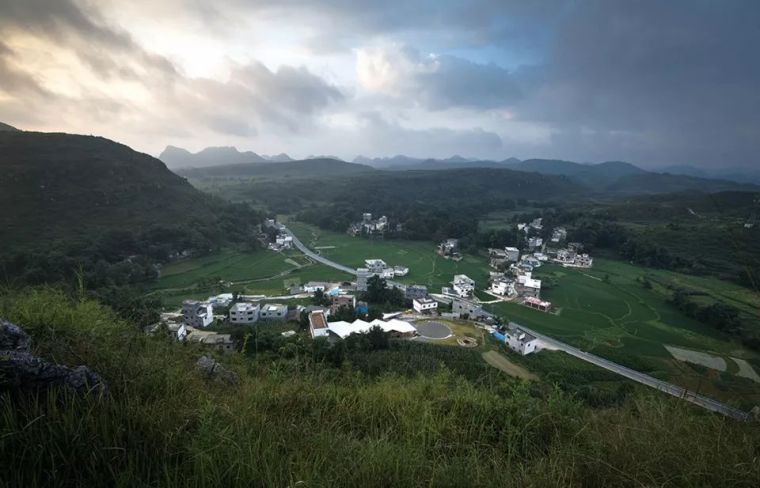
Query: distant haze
655, 83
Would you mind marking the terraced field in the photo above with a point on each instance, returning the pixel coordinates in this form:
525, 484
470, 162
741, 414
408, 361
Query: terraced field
259, 273
606, 310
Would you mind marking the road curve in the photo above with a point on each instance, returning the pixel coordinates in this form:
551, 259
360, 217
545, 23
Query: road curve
629, 373
316, 257
327, 262
644, 379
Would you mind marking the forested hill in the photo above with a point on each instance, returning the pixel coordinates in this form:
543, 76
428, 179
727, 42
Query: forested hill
71, 188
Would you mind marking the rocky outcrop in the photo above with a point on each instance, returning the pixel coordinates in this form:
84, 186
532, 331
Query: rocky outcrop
21, 370
211, 368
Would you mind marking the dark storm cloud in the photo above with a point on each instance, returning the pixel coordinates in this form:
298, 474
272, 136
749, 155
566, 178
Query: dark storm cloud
653, 81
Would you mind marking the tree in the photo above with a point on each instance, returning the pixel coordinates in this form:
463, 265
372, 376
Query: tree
319, 298
378, 338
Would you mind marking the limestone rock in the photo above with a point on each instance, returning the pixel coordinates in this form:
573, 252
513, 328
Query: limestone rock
13, 338
21, 370
211, 368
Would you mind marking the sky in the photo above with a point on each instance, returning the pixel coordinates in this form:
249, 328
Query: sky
650, 82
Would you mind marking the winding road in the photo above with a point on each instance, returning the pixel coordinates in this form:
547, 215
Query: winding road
327, 262
644, 379
316, 257
629, 373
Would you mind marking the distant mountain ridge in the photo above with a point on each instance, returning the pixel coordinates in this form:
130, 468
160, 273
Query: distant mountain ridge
301, 169
177, 157
8, 128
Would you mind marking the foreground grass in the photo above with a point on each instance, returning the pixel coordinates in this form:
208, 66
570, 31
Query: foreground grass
292, 420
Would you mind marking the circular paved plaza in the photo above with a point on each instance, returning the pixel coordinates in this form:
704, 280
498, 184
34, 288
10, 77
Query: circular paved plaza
433, 330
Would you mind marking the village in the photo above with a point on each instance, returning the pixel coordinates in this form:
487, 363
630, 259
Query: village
511, 279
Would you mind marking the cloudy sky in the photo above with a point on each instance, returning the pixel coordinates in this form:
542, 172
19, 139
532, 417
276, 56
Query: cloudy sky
651, 82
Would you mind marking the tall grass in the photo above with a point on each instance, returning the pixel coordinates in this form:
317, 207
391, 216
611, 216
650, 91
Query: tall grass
293, 422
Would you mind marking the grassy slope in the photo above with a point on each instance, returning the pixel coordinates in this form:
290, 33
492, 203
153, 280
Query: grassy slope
296, 422
624, 322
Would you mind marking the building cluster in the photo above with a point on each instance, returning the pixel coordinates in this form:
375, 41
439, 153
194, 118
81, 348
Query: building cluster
503, 257
449, 249
281, 242
369, 226
377, 267
333, 331
463, 286
276, 238
571, 256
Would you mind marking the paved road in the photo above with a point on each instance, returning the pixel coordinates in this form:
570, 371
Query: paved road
316, 257
327, 262
644, 379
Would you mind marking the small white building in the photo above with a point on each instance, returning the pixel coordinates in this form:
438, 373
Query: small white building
221, 300
244, 313
400, 270
520, 341
376, 266
535, 242
315, 286
197, 314
528, 286
284, 241
503, 287
424, 305
273, 311
463, 285
318, 324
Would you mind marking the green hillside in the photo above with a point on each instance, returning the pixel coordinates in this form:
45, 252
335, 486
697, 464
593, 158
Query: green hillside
71, 188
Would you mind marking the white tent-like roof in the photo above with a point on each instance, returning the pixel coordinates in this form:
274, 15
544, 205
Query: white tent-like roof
358, 326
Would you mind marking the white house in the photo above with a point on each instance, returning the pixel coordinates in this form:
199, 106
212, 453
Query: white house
503, 287
284, 241
400, 270
273, 311
244, 313
520, 341
424, 305
388, 273
318, 324
197, 314
535, 242
375, 265
221, 300
314, 286
584, 260
528, 286
463, 285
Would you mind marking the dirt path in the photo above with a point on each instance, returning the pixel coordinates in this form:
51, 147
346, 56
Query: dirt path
498, 361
